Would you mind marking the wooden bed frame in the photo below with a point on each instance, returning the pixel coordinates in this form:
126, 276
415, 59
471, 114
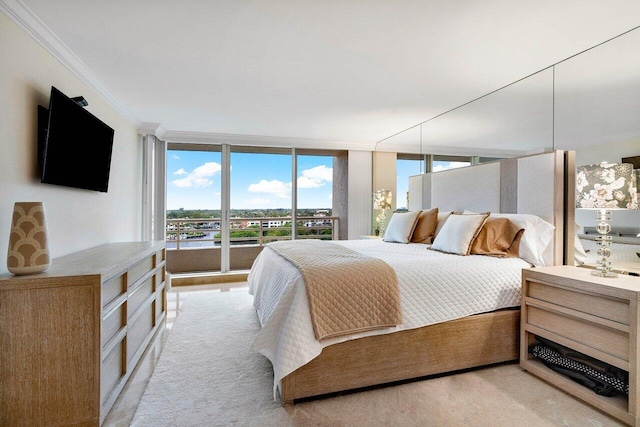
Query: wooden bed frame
470, 342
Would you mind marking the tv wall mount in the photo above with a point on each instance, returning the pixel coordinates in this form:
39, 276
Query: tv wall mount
80, 101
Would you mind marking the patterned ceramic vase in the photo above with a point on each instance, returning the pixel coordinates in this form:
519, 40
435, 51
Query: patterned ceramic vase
28, 242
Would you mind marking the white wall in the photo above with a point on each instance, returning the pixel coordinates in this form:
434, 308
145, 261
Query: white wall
77, 219
609, 152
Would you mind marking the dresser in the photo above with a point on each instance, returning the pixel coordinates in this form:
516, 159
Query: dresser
592, 315
70, 337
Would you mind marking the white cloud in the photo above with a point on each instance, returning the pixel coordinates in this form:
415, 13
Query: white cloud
176, 157
200, 177
180, 171
274, 187
315, 177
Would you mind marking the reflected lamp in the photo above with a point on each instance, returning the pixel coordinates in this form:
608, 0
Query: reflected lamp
382, 203
605, 187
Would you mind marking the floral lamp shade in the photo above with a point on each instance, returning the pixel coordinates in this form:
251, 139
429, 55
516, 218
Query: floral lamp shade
606, 186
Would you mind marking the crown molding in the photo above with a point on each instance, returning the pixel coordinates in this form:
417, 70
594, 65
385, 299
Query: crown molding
156, 129
19, 13
257, 140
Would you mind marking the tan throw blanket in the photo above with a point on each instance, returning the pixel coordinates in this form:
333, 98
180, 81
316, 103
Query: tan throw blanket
348, 292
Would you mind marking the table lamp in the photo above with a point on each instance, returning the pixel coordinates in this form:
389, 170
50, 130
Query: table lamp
382, 202
605, 187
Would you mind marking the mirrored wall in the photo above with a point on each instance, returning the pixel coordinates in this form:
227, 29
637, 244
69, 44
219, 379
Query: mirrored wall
589, 99
588, 103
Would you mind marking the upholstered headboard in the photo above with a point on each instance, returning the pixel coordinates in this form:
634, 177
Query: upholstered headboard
540, 184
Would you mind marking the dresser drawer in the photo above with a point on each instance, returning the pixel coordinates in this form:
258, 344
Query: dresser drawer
140, 269
161, 305
607, 308
114, 322
139, 295
160, 278
113, 369
591, 334
139, 331
113, 288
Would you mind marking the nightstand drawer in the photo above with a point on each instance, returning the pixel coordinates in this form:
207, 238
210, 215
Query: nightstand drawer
599, 337
610, 309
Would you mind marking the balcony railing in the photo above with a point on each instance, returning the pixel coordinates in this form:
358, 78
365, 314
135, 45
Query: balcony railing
205, 232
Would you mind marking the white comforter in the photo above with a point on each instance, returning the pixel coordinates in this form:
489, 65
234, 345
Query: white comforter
434, 288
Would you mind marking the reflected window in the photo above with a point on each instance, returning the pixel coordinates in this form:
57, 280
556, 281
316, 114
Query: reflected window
489, 159
441, 163
406, 165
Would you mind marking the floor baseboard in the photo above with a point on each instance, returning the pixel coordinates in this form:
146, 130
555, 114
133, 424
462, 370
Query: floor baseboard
208, 278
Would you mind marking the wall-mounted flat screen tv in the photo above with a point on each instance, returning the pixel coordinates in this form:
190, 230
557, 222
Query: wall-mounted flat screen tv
74, 146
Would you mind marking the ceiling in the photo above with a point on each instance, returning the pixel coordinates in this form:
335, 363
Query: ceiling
349, 73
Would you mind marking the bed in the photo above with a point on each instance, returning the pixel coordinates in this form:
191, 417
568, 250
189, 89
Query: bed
458, 312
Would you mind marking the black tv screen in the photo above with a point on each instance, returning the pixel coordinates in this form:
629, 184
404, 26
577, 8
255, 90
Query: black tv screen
74, 145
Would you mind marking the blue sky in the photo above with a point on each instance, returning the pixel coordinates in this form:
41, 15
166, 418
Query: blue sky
257, 180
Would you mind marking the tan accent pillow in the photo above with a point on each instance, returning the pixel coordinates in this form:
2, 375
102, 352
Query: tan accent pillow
425, 229
514, 249
496, 238
458, 232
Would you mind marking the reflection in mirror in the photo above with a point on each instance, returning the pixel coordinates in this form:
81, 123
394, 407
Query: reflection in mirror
597, 108
597, 94
513, 121
588, 103
407, 141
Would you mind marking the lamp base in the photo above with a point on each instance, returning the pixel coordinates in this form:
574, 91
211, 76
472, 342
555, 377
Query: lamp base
604, 240
601, 273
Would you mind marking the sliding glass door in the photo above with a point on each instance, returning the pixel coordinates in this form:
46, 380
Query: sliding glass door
194, 220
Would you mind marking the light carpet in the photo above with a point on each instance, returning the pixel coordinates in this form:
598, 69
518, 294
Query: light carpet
207, 375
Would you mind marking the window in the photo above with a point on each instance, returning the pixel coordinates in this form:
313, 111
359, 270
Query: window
193, 193
260, 195
260, 198
314, 200
193, 199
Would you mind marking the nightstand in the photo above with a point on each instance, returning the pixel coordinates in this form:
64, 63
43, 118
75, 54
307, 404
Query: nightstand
589, 314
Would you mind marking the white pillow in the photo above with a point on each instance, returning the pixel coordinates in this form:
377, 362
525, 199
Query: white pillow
458, 232
401, 227
536, 239
442, 218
